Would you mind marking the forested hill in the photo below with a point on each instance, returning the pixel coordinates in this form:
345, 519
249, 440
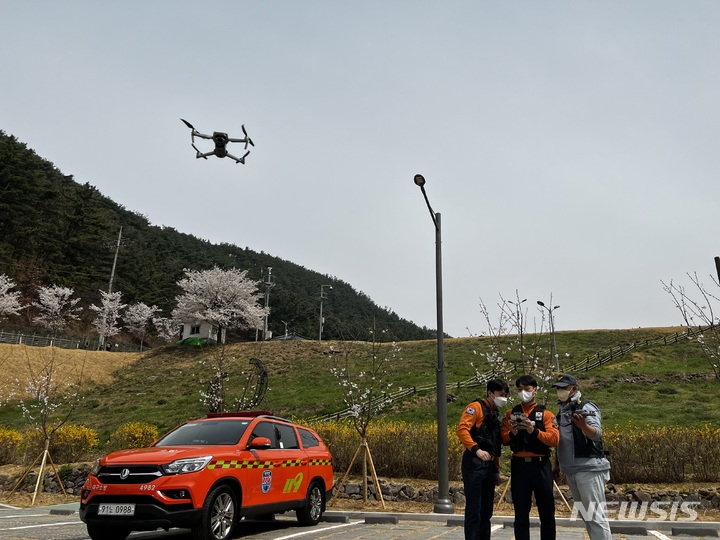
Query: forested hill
56, 231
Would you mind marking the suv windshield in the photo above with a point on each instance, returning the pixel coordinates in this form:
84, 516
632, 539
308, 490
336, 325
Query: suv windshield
206, 432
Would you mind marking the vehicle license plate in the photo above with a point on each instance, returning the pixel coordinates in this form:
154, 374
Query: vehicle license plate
116, 510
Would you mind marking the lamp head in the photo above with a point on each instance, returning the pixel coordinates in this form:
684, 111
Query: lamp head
419, 180
540, 303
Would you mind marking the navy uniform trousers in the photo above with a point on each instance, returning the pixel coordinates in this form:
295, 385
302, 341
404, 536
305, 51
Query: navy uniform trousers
479, 485
528, 478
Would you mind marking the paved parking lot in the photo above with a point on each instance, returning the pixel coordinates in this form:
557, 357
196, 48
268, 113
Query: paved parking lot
63, 523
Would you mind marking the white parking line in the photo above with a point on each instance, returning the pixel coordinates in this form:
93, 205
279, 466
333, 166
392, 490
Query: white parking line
21, 516
316, 530
44, 525
659, 535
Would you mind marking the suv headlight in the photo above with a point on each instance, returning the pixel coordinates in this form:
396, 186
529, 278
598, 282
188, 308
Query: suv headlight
96, 468
183, 466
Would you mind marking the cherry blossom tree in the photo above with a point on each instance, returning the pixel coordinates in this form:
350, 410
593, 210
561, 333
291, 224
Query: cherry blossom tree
9, 301
223, 298
56, 308
137, 320
108, 314
167, 329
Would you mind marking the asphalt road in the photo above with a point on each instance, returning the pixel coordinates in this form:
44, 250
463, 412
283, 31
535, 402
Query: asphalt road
63, 523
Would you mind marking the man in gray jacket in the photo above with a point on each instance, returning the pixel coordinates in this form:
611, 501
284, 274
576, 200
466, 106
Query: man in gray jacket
580, 456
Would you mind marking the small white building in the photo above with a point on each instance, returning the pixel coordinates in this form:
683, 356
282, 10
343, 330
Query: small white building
201, 331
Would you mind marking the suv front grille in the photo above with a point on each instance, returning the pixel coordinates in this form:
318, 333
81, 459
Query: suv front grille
132, 474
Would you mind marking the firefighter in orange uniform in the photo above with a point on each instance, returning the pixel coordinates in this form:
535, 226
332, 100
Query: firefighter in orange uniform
531, 431
479, 433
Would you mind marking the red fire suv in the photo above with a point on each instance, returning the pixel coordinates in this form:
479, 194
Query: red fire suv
206, 475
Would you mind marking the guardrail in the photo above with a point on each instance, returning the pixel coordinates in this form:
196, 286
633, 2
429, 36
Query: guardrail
35, 340
592, 362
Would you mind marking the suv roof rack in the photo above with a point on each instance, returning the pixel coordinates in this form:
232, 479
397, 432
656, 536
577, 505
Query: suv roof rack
239, 414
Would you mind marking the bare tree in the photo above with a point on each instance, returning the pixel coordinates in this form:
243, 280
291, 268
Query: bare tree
697, 311
512, 350
363, 377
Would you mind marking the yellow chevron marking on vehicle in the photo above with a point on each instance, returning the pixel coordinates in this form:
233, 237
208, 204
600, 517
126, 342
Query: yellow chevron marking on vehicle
321, 462
220, 464
256, 464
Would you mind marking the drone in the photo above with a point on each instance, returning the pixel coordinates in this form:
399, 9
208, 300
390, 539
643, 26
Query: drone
221, 140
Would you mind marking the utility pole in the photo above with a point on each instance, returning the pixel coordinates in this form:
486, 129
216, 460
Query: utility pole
110, 284
269, 284
322, 296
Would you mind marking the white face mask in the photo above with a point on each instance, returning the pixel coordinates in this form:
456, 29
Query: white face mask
500, 401
526, 396
563, 395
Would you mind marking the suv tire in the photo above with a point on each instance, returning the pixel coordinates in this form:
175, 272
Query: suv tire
311, 512
218, 515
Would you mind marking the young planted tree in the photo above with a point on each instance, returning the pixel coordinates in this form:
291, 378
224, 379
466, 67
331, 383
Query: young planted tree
47, 400
108, 315
513, 351
362, 373
696, 309
224, 299
137, 320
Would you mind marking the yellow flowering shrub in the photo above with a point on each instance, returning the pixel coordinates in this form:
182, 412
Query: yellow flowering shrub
71, 443
663, 454
10, 445
133, 435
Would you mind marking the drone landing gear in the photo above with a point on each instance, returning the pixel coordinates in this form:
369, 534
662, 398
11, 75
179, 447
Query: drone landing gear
237, 159
199, 154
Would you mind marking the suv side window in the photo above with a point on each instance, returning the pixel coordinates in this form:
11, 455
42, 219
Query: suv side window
286, 436
308, 439
265, 429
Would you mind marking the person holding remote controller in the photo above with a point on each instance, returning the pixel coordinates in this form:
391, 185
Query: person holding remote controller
580, 456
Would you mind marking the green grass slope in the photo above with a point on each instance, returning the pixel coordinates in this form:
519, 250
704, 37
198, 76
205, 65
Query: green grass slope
658, 385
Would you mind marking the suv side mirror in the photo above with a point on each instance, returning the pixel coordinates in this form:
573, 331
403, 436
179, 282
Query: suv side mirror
260, 442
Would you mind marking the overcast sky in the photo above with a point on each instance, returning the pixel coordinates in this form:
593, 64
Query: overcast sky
571, 147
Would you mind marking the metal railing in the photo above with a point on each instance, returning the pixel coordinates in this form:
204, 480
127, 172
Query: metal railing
37, 340
592, 362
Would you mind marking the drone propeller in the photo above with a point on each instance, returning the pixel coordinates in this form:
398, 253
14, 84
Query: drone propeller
246, 137
188, 124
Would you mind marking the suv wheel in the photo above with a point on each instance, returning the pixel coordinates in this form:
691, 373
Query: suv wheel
103, 532
218, 515
312, 510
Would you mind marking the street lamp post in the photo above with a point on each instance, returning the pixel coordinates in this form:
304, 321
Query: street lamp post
443, 505
322, 295
552, 331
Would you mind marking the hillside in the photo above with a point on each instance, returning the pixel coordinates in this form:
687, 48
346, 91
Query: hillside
54, 230
658, 385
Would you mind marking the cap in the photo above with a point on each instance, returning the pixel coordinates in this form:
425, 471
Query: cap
561, 381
